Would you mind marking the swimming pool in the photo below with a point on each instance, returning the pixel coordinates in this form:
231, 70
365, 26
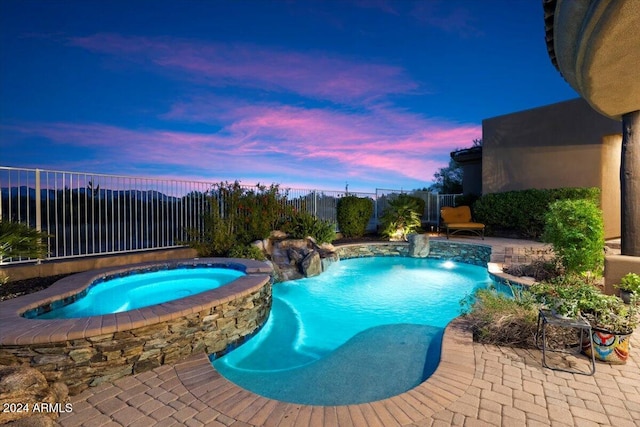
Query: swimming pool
142, 289
366, 329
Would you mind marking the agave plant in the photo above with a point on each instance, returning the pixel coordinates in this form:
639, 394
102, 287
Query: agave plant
20, 241
401, 218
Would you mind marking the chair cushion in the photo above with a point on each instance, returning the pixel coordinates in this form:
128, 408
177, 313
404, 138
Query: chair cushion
459, 214
470, 225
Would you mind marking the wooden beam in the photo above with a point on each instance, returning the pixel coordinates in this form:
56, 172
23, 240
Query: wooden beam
630, 184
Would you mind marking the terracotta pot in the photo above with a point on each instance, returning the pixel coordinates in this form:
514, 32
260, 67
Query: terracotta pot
609, 346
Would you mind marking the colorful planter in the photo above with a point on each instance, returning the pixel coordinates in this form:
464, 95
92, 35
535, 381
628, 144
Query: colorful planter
609, 346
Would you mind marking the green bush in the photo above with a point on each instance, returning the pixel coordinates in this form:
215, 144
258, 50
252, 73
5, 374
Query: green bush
466, 200
419, 201
630, 282
302, 224
353, 214
576, 231
18, 240
238, 216
522, 213
401, 217
217, 237
246, 251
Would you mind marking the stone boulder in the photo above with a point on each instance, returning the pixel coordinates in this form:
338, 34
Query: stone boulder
418, 245
311, 265
296, 258
28, 386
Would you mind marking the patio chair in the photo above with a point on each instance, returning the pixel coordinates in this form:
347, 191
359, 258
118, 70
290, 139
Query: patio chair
459, 219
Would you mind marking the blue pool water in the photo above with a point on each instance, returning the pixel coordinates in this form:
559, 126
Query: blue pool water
143, 289
366, 329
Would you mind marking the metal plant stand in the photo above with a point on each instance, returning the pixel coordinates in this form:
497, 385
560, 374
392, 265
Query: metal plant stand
545, 318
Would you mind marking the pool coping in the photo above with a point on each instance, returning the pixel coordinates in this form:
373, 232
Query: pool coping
17, 330
450, 381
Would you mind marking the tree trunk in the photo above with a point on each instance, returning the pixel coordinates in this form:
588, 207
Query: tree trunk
630, 184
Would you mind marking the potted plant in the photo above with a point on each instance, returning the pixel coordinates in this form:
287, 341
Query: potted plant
612, 323
629, 284
564, 296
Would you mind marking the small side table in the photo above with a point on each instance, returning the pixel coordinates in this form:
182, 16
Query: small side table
545, 317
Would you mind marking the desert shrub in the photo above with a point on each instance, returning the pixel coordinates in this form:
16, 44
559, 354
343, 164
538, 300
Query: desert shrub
256, 212
499, 319
217, 236
246, 251
522, 213
238, 215
353, 214
303, 224
576, 231
401, 217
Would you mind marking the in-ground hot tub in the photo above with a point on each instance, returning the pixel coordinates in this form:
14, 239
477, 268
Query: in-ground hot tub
86, 351
137, 289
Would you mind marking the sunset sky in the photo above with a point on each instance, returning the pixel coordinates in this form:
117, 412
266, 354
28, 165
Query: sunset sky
308, 94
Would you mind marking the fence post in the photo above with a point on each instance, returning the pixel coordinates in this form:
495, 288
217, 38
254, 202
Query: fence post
315, 204
375, 212
39, 207
38, 202
438, 211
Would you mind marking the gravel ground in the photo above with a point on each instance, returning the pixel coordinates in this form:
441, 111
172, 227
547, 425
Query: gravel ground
27, 286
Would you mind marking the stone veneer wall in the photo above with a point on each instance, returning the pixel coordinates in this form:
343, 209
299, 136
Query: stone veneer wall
476, 254
360, 250
90, 361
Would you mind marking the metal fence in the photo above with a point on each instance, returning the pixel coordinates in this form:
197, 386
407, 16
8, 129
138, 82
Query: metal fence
88, 214
95, 214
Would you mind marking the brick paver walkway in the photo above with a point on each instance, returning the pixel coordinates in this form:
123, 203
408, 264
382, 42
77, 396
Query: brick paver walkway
508, 387
475, 385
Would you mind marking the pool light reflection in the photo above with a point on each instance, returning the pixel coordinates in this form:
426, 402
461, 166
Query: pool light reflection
448, 265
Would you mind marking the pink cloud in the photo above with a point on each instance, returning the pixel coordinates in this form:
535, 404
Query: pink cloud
315, 75
281, 142
324, 133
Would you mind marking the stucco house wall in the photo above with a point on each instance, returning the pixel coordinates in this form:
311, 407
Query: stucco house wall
567, 144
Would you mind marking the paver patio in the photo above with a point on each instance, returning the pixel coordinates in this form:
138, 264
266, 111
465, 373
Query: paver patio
475, 385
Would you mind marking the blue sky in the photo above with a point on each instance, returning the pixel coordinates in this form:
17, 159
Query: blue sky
307, 94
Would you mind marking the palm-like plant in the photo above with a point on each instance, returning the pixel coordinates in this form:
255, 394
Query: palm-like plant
401, 218
20, 241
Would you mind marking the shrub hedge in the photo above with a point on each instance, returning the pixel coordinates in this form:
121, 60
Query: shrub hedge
303, 224
576, 231
353, 215
522, 213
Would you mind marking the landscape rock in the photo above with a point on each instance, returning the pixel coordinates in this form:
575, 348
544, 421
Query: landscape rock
38, 420
28, 387
311, 264
293, 259
278, 235
418, 245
